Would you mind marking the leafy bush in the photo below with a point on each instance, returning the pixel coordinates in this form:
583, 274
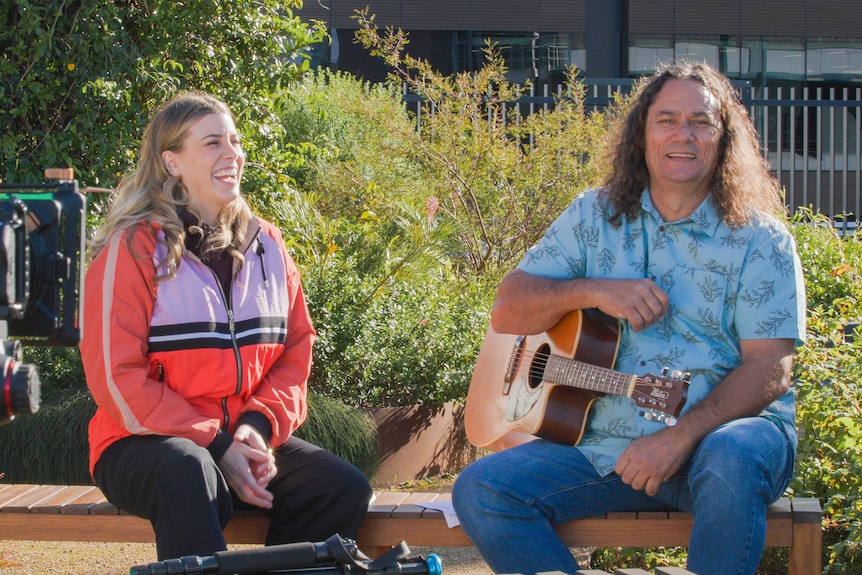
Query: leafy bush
829, 399
395, 325
79, 80
402, 234
51, 446
500, 178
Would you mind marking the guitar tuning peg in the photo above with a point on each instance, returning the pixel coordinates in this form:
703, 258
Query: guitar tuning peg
649, 415
670, 421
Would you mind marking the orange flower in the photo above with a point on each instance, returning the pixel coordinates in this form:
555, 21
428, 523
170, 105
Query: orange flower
840, 270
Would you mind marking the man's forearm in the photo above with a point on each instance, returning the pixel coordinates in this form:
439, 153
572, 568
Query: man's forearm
528, 304
761, 378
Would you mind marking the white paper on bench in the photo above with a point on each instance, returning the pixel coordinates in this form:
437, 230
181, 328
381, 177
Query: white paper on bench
447, 509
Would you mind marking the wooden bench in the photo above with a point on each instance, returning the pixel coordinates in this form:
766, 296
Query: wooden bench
81, 513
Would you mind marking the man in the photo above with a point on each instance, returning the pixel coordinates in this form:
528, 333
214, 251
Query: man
680, 245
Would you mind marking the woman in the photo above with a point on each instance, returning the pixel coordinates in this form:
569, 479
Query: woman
197, 350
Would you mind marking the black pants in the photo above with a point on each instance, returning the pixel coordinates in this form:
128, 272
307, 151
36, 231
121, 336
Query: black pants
177, 486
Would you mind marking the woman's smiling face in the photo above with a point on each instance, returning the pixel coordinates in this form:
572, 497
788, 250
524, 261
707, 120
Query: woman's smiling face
209, 164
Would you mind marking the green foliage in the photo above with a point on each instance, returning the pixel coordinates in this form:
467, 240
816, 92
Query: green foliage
402, 234
59, 368
352, 165
832, 265
500, 179
79, 80
349, 433
829, 399
613, 558
51, 446
395, 325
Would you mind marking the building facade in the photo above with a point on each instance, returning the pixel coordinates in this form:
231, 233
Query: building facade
801, 43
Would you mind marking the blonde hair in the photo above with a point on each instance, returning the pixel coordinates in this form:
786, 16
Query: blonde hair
743, 183
150, 194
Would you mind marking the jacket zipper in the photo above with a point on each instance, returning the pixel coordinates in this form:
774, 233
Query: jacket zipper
228, 299
232, 328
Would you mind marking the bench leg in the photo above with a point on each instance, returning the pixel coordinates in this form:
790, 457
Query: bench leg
805, 554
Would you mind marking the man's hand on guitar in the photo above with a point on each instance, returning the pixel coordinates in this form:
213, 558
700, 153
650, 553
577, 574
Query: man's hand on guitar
653, 459
639, 301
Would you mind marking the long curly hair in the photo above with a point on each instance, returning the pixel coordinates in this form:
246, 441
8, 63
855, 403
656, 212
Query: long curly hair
149, 194
743, 183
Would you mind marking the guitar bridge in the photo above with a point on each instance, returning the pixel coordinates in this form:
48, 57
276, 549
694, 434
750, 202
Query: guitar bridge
514, 363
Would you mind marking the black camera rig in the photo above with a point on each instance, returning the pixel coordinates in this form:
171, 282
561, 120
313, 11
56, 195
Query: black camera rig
42, 234
335, 556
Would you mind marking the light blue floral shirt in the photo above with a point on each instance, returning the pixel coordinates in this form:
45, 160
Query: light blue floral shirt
724, 285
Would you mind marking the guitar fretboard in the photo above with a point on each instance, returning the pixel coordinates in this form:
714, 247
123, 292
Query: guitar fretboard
574, 373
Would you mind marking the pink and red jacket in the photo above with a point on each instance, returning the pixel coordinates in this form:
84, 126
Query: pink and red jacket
179, 357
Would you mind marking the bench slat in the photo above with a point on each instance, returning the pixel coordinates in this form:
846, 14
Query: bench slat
30, 499
13, 492
84, 502
62, 497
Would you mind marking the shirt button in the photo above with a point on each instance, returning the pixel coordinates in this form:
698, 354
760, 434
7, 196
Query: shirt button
643, 363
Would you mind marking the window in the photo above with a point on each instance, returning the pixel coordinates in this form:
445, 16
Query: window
646, 52
834, 59
528, 55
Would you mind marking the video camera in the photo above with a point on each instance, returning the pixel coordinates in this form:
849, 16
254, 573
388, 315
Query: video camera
42, 233
335, 556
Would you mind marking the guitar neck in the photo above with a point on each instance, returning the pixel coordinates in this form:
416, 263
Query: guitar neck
574, 373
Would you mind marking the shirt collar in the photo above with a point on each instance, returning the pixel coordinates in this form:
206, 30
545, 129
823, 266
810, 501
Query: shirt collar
705, 216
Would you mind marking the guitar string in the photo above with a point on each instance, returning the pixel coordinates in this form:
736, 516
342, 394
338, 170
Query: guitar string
571, 367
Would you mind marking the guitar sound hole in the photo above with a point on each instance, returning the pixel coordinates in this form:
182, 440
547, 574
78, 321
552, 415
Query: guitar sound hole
538, 365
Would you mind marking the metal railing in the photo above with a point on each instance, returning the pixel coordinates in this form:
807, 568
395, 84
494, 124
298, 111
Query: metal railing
811, 137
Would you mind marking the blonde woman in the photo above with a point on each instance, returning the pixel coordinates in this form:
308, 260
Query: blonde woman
197, 349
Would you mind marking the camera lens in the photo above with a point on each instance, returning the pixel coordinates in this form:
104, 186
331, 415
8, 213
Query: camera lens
20, 389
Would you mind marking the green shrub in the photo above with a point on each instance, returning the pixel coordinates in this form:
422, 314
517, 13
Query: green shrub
500, 178
402, 235
51, 446
395, 325
613, 558
828, 376
79, 80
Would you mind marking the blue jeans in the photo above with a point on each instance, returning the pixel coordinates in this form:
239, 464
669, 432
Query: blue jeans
509, 501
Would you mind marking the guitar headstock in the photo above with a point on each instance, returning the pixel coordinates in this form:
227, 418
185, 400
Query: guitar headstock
663, 396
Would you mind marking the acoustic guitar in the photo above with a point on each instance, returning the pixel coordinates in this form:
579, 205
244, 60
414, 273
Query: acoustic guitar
524, 387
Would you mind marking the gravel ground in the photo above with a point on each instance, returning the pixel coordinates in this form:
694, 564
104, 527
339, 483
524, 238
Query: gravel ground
72, 558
